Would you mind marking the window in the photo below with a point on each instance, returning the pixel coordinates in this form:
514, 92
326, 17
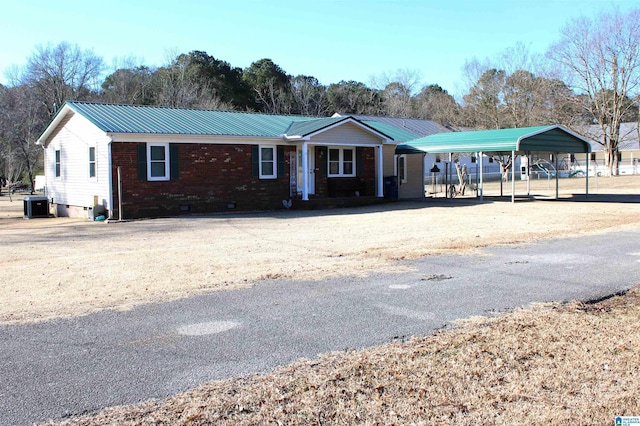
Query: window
402, 168
267, 162
58, 163
158, 165
341, 162
92, 161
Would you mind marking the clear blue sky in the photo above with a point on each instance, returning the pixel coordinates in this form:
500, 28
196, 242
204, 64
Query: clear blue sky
330, 40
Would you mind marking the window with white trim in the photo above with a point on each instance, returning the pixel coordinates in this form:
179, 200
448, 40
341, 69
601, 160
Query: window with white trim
341, 162
267, 161
58, 163
402, 168
92, 162
158, 162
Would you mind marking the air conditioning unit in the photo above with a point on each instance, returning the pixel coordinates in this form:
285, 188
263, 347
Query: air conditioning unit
95, 211
36, 206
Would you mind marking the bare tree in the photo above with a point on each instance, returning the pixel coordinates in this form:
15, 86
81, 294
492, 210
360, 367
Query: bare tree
485, 100
434, 103
600, 59
309, 96
62, 72
22, 118
129, 83
397, 90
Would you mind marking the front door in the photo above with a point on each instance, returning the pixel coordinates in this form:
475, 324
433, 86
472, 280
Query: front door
311, 163
312, 170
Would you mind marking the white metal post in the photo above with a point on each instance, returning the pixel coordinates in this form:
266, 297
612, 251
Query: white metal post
557, 181
528, 174
305, 171
513, 176
481, 162
587, 177
379, 164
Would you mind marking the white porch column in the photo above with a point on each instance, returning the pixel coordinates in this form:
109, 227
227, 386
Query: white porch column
305, 171
380, 173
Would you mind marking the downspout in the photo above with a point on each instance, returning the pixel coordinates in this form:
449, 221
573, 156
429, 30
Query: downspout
110, 164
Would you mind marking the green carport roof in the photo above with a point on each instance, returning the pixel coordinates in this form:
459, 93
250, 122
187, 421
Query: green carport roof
525, 139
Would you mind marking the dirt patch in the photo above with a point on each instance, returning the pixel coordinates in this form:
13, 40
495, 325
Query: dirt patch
60, 267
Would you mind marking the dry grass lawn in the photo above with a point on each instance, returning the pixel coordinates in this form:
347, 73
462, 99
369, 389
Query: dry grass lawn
60, 267
547, 365
551, 364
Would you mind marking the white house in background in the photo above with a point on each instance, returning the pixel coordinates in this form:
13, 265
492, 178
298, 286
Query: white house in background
629, 157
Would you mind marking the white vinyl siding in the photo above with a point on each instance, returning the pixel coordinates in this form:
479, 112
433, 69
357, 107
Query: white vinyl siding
73, 187
347, 134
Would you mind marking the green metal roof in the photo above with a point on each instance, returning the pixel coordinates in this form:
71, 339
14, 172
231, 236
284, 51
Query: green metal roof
394, 133
303, 128
532, 139
112, 118
162, 120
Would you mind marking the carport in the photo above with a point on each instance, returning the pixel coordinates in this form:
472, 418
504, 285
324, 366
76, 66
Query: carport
523, 141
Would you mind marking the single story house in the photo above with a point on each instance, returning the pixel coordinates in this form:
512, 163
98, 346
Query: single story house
130, 161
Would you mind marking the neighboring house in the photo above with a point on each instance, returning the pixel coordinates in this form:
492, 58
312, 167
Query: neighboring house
629, 147
142, 161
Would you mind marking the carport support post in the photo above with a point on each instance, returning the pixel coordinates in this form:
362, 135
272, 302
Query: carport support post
481, 163
557, 181
381, 172
513, 176
528, 174
305, 171
586, 194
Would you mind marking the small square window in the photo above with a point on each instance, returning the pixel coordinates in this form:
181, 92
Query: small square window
158, 163
267, 162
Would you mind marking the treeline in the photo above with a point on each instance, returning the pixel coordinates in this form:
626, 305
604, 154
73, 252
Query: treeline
591, 76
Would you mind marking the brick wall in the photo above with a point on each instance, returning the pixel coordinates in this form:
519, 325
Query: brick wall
367, 172
212, 178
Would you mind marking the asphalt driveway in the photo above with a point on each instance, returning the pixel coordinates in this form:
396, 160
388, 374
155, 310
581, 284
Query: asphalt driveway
71, 366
